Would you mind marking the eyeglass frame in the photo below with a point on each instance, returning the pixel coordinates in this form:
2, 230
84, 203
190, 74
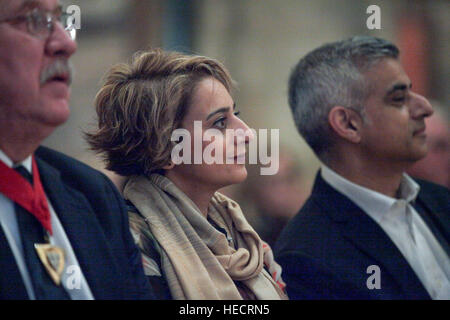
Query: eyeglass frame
47, 24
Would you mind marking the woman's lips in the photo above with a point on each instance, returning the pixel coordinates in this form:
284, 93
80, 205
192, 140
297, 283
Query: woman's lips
238, 158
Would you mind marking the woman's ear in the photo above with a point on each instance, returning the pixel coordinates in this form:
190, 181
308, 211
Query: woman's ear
346, 123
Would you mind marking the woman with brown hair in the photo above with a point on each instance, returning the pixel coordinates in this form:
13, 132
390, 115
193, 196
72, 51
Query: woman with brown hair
196, 243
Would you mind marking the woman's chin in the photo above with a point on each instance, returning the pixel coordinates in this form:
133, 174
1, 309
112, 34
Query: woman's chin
238, 175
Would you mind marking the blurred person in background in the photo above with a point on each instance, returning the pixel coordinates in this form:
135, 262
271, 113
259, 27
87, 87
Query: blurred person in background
270, 201
196, 243
435, 166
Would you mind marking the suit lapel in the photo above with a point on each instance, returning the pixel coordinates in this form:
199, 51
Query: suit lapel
11, 283
84, 232
433, 218
356, 226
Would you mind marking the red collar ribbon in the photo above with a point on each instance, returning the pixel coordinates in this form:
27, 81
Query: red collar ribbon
30, 197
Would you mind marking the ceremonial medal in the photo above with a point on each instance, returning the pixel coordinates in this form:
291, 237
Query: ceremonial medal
52, 258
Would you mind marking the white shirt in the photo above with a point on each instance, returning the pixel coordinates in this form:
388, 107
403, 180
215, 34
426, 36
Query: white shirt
404, 226
72, 277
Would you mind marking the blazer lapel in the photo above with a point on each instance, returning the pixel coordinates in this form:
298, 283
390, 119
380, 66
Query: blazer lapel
435, 217
11, 283
84, 232
369, 237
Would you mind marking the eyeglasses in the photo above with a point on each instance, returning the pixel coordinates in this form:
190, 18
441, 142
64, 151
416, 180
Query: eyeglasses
41, 23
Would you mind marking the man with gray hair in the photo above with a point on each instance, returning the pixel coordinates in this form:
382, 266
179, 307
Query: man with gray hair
64, 230
368, 230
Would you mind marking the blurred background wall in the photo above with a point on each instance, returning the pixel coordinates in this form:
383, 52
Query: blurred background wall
259, 41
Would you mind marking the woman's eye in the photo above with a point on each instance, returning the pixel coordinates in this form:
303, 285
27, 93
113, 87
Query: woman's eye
220, 123
237, 113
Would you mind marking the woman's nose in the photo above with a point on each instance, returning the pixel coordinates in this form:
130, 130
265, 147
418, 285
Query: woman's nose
243, 133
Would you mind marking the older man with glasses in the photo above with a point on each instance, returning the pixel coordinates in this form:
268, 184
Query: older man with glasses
63, 226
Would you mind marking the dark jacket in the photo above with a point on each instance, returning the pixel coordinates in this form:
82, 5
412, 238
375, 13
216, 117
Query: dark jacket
326, 248
95, 220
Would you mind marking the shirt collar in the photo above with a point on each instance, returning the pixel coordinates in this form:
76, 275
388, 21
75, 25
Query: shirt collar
409, 189
27, 163
372, 202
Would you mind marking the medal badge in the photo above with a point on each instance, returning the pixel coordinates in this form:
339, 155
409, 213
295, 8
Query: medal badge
52, 258
31, 197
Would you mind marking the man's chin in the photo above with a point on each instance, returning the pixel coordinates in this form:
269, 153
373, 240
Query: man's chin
56, 113
419, 154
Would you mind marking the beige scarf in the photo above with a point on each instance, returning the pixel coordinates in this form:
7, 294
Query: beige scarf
198, 261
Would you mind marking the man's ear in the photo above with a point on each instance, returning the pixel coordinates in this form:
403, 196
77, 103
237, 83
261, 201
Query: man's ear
346, 123
169, 166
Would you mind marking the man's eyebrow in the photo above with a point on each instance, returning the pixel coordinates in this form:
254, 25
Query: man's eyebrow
28, 4
220, 110
32, 4
399, 86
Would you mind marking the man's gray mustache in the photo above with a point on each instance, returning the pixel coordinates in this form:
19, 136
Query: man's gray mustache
58, 68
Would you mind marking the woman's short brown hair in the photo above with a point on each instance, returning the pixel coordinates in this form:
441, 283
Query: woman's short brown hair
141, 103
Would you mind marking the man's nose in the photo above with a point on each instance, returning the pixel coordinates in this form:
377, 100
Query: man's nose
420, 106
60, 43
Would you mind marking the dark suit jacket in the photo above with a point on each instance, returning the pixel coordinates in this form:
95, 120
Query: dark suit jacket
95, 220
326, 248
